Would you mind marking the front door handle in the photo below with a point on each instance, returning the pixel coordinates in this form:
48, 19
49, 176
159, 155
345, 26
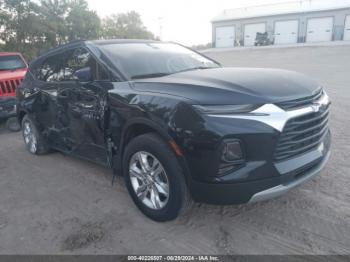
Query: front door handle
63, 94
85, 105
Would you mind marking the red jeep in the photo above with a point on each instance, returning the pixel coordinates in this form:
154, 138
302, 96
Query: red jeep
13, 67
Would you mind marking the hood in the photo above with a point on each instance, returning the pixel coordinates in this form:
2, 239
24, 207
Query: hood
12, 74
232, 85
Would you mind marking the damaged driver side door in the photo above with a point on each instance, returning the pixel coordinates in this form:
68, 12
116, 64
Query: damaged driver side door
82, 97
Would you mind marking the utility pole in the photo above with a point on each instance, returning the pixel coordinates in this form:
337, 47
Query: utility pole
160, 20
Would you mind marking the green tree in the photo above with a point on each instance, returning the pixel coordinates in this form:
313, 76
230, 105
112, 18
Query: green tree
128, 25
3, 13
82, 23
33, 26
20, 25
53, 17
202, 46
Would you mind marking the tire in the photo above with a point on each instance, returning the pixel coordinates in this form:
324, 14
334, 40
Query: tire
150, 146
13, 125
33, 139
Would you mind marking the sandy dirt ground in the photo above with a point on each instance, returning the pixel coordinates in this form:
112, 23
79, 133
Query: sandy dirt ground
55, 204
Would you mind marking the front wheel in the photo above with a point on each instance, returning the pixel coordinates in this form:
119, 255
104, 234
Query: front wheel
154, 178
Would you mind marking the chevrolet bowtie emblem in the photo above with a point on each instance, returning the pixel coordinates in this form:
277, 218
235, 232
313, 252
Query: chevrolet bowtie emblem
315, 107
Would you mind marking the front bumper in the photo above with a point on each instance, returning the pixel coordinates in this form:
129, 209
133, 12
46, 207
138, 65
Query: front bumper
7, 107
293, 173
282, 189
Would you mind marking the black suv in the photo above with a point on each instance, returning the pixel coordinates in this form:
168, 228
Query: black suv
176, 124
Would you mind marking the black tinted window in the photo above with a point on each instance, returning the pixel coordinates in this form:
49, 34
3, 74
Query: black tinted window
76, 59
80, 58
64, 66
51, 70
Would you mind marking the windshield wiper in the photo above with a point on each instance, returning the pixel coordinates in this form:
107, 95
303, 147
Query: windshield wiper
195, 68
165, 74
149, 75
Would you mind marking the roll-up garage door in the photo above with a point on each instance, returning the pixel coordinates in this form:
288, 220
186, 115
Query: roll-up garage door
319, 29
225, 36
250, 31
347, 28
286, 32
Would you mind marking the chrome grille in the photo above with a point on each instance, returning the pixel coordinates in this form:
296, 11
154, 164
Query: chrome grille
302, 134
8, 87
297, 103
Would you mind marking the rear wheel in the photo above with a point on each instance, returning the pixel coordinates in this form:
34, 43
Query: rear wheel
34, 141
13, 125
154, 178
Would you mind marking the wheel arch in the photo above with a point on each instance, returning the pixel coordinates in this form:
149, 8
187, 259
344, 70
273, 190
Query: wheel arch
20, 116
139, 126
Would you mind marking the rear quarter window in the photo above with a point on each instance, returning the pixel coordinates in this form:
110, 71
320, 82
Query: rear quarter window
50, 69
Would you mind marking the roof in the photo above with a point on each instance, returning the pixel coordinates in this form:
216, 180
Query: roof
95, 42
122, 41
293, 7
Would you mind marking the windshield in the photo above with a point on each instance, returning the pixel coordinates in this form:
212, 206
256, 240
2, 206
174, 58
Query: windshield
11, 62
142, 60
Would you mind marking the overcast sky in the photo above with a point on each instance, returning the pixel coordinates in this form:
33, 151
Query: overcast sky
183, 21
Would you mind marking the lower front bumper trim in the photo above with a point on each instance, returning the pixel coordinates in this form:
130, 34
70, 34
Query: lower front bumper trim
281, 189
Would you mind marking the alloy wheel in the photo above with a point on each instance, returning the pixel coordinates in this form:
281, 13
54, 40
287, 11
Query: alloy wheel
149, 180
29, 137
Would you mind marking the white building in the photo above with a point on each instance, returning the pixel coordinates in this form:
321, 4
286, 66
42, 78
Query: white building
288, 23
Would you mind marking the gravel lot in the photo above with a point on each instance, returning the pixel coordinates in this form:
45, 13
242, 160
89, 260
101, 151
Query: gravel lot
55, 204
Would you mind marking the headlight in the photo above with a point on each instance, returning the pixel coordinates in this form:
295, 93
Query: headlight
225, 109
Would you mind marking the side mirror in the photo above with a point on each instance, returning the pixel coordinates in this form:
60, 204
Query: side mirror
83, 75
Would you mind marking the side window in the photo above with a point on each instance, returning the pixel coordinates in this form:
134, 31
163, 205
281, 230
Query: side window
80, 59
50, 70
76, 60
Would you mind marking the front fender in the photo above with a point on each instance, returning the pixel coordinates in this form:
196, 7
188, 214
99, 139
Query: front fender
128, 109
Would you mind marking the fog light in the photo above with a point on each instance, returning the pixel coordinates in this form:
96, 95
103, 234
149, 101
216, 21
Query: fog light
232, 151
